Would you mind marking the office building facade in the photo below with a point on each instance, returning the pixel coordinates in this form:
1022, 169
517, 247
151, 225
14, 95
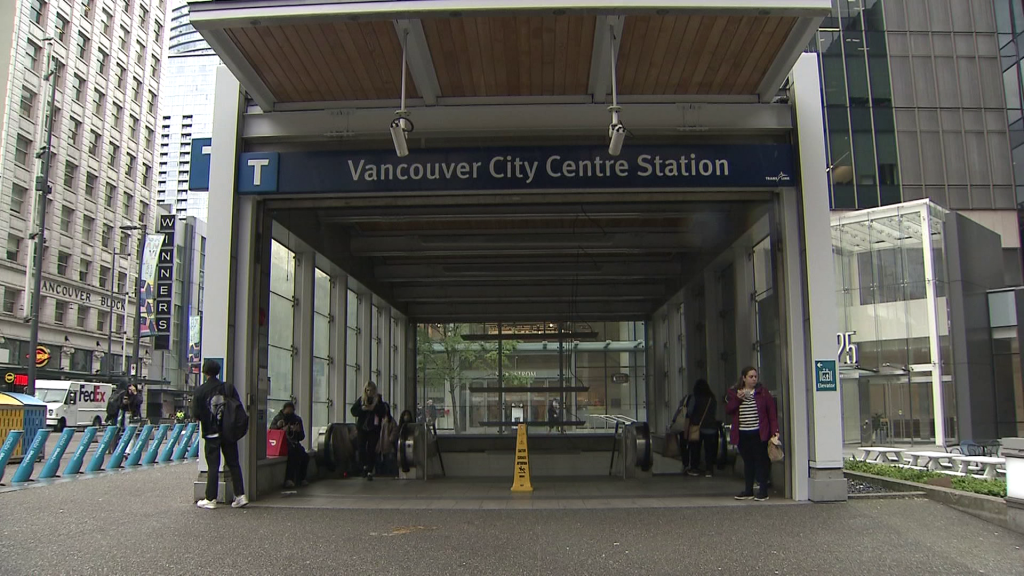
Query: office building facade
107, 68
922, 103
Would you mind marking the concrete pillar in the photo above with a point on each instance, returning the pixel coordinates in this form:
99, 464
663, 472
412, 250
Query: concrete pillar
824, 447
713, 330
338, 410
384, 356
746, 321
302, 359
365, 337
221, 241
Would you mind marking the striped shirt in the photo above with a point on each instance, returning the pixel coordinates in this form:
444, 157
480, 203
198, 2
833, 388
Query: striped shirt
749, 419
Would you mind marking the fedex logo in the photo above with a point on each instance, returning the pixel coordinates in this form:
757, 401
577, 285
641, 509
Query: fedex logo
93, 393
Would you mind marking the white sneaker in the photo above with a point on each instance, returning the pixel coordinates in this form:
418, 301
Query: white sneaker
207, 504
240, 501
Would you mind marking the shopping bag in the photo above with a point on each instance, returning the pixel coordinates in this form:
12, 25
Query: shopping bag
671, 448
277, 444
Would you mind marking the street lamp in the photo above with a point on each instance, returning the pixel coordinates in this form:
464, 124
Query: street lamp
136, 370
43, 188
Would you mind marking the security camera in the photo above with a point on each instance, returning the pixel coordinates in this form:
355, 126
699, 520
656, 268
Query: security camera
399, 129
617, 133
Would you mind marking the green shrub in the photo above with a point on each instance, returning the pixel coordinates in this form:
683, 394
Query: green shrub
995, 488
964, 483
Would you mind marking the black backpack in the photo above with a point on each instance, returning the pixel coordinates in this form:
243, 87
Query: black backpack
228, 414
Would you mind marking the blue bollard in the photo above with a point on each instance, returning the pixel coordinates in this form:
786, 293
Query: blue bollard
101, 450
165, 454
13, 437
186, 442
161, 433
139, 448
50, 470
28, 461
193, 452
75, 465
118, 456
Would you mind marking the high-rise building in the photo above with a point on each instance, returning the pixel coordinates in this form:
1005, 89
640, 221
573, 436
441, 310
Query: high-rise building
186, 111
922, 101
108, 64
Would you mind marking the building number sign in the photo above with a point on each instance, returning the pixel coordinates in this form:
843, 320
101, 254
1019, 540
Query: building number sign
847, 352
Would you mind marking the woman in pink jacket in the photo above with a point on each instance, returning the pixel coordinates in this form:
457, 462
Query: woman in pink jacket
755, 421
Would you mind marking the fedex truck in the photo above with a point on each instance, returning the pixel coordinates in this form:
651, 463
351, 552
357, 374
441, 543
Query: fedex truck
70, 403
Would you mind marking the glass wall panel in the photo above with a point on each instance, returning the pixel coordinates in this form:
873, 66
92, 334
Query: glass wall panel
321, 348
353, 373
882, 293
281, 326
559, 378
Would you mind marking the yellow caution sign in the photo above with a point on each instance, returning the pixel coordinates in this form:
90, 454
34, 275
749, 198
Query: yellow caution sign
521, 482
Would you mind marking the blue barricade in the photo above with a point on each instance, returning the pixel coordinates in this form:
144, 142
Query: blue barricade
13, 437
101, 450
139, 448
75, 465
118, 455
50, 470
172, 443
193, 452
186, 442
161, 433
28, 461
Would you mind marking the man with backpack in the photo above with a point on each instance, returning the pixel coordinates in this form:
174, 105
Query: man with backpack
223, 422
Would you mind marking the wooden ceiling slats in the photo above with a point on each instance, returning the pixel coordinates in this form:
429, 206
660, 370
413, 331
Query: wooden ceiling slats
748, 45
525, 55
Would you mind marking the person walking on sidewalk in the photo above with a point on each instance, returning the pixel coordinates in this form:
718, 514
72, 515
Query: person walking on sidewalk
755, 421
208, 408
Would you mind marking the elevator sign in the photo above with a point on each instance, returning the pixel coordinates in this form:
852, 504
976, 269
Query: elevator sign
826, 379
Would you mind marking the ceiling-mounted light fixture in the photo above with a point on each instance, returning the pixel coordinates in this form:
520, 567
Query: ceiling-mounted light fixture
401, 125
616, 131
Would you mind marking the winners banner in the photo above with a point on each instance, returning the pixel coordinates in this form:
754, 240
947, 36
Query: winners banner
147, 284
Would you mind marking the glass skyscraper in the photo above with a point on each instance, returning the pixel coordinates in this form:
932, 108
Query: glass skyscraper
186, 111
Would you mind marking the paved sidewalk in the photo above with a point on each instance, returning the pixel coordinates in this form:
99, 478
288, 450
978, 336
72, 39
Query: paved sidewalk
145, 523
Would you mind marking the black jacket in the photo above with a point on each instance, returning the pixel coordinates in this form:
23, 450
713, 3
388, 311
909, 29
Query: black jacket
365, 419
201, 404
696, 410
282, 421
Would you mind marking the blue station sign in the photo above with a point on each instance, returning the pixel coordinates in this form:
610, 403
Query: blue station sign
720, 166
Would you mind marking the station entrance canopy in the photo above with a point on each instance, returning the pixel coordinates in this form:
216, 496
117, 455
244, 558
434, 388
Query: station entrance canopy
295, 55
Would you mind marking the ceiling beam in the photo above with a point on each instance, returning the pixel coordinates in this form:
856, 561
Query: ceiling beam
529, 312
469, 208
799, 37
522, 120
607, 38
525, 271
235, 61
530, 293
524, 244
421, 64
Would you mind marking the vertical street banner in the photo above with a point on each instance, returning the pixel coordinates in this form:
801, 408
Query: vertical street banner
164, 299
147, 284
195, 351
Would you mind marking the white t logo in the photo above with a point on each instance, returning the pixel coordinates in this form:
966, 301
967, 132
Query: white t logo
206, 150
257, 169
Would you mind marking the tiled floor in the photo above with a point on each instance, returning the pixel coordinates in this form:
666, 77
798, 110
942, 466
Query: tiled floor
492, 494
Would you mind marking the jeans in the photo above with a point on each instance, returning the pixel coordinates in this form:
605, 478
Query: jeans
298, 463
366, 443
755, 461
214, 447
709, 439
